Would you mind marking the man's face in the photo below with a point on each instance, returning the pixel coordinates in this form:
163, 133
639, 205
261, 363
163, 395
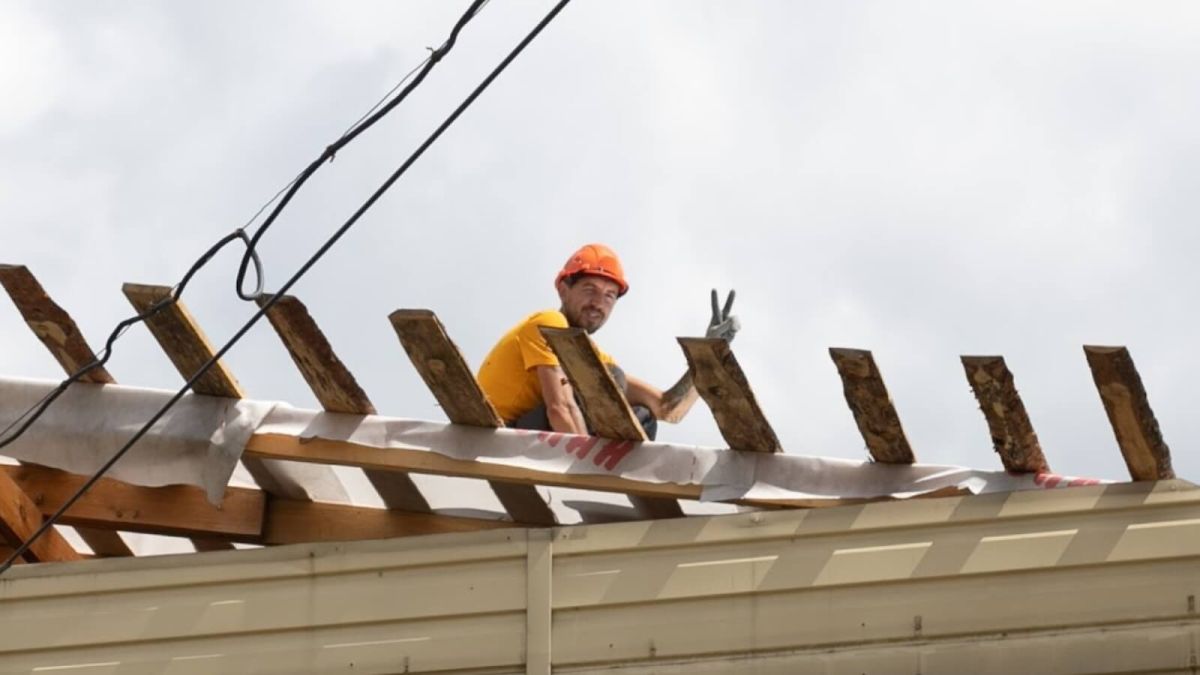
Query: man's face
588, 302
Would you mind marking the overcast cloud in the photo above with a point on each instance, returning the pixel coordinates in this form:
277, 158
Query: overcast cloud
920, 179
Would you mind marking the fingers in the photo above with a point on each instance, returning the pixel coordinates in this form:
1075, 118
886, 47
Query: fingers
728, 304
716, 309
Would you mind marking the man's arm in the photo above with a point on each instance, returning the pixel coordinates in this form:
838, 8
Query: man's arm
671, 405
561, 409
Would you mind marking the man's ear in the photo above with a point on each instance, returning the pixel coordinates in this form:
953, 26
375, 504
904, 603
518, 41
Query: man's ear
561, 287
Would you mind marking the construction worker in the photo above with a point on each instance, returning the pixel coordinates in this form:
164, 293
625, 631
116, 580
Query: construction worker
521, 375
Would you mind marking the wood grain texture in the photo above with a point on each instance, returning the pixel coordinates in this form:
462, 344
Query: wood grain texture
1012, 432
605, 410
181, 339
442, 367
724, 387
335, 388
180, 510
444, 370
874, 413
20, 517
52, 325
331, 382
55, 328
1138, 435
292, 522
188, 348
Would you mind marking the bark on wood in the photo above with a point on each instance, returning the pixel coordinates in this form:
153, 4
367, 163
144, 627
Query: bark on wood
724, 387
443, 368
336, 389
1012, 433
1133, 422
445, 371
53, 326
872, 407
62, 337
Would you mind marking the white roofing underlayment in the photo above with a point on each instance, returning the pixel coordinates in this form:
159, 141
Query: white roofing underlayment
199, 441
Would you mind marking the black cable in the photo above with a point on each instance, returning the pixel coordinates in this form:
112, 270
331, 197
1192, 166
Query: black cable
352, 133
32, 414
251, 255
274, 298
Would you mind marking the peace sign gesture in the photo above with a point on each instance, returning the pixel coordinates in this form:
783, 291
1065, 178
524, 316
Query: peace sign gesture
723, 324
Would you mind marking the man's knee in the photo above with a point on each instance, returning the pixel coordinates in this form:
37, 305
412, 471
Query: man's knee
618, 376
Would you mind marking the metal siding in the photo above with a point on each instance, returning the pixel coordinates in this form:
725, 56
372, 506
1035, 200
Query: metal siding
1083, 580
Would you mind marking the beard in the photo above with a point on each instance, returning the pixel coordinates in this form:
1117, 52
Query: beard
588, 320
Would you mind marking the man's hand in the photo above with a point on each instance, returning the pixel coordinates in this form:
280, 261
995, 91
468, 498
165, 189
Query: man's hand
723, 324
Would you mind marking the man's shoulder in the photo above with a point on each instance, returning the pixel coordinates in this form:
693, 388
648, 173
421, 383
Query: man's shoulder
550, 317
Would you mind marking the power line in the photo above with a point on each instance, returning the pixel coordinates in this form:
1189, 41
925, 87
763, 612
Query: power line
250, 257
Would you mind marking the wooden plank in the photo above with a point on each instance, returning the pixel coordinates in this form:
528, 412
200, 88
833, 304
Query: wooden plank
1012, 433
53, 326
173, 510
336, 388
292, 522
441, 365
601, 401
724, 387
445, 371
20, 517
188, 348
324, 451
331, 382
605, 410
874, 413
61, 335
1133, 422
183, 342
245, 515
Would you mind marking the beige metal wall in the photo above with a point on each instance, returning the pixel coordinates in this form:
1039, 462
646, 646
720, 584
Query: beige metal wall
1084, 580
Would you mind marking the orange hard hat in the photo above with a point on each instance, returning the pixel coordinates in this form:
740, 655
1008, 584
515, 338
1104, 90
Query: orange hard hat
598, 260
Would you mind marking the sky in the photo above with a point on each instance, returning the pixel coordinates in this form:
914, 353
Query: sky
922, 179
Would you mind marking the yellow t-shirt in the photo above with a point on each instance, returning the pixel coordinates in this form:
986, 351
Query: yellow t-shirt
507, 376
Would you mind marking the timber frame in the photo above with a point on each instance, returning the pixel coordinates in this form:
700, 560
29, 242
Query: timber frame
280, 511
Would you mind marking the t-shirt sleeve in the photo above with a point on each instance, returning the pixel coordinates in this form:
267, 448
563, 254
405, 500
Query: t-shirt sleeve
535, 351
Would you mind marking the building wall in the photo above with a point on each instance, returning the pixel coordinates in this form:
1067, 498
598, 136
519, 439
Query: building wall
1097, 579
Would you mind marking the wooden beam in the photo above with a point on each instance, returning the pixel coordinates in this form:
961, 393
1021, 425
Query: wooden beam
1012, 433
874, 413
601, 401
336, 388
62, 337
292, 522
441, 365
324, 451
20, 517
605, 410
172, 510
245, 515
182, 340
1133, 422
53, 326
445, 371
724, 387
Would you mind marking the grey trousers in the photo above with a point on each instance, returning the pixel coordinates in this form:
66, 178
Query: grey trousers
538, 420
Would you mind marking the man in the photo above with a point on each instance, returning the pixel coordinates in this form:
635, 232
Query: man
521, 375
